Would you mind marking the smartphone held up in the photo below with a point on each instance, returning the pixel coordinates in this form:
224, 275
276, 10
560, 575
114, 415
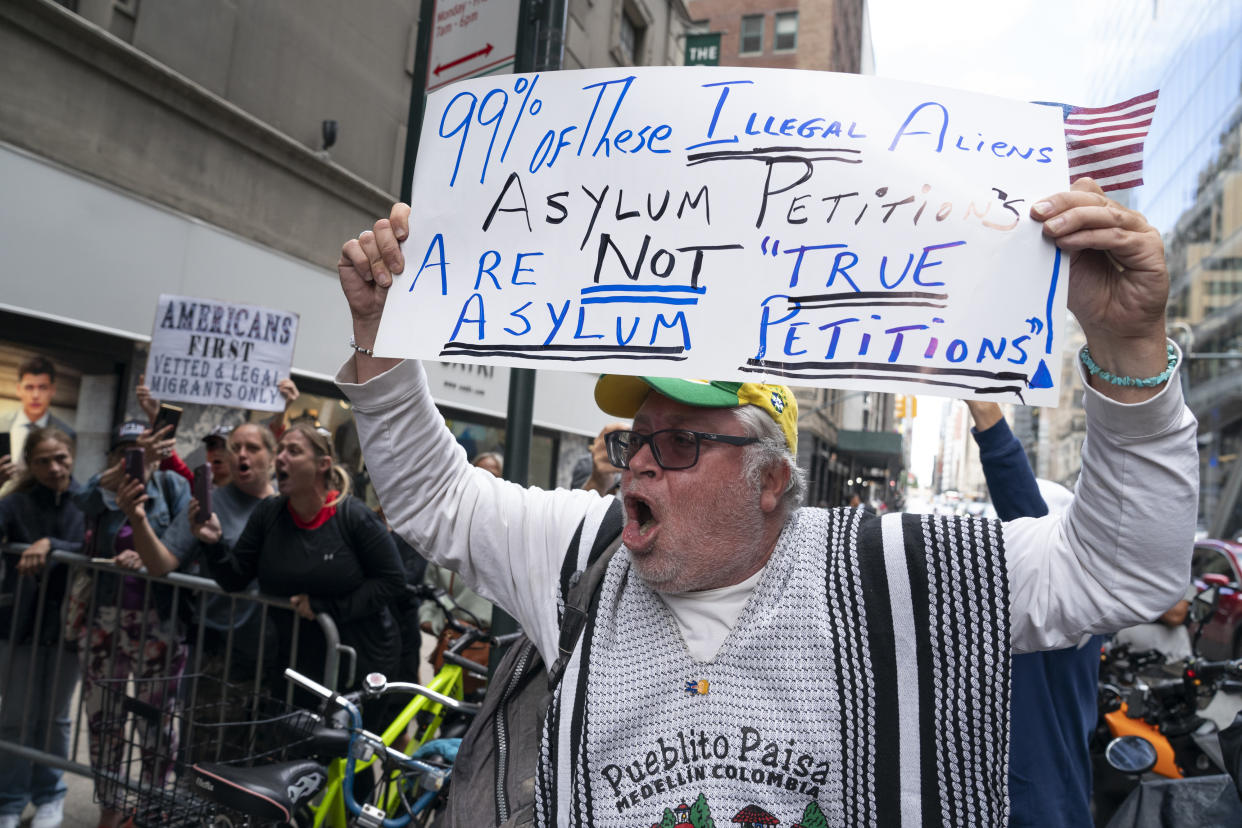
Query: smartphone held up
135, 464
201, 490
168, 415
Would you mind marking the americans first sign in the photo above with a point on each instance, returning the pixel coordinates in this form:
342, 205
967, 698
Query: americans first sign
220, 353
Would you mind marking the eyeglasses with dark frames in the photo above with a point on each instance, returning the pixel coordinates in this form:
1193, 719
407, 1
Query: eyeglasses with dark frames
674, 449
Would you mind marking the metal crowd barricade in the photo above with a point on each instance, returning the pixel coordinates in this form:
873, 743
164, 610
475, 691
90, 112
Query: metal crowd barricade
83, 578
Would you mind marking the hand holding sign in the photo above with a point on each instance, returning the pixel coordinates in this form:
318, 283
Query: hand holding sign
803, 227
1119, 283
223, 353
365, 269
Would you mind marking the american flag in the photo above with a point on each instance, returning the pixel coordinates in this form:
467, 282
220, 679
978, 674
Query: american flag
1106, 142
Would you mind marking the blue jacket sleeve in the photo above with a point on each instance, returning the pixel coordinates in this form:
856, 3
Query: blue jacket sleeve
1010, 479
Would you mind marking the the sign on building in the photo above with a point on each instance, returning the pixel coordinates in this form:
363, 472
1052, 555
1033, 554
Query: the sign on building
703, 49
471, 38
220, 353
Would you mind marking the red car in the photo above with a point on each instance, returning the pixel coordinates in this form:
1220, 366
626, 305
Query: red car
1221, 559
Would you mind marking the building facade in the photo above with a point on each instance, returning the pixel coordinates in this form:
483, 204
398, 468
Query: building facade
224, 149
826, 35
1192, 194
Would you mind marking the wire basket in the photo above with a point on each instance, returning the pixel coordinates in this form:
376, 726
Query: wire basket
150, 732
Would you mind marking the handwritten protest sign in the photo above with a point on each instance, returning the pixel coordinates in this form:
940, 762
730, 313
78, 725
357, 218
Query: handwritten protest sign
220, 353
803, 227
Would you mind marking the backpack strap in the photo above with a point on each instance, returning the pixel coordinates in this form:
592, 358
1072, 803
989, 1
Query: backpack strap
582, 590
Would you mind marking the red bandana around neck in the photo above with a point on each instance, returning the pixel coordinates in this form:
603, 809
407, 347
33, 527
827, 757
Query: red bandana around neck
321, 517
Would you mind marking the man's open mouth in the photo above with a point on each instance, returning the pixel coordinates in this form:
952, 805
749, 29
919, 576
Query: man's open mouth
639, 512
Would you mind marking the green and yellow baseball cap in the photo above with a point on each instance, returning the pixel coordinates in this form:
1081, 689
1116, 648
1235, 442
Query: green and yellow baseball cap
621, 396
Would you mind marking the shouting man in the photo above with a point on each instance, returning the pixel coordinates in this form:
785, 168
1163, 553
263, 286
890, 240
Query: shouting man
775, 663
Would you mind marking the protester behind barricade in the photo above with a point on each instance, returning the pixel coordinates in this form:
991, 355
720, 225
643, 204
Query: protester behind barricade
169, 459
131, 633
250, 455
216, 441
216, 447
325, 550
41, 512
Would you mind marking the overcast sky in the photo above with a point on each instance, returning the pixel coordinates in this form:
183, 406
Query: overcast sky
1013, 48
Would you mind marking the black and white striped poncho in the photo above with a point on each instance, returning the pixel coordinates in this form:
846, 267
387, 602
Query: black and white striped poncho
866, 682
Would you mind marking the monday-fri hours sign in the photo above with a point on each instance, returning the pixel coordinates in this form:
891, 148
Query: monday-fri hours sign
220, 353
801, 227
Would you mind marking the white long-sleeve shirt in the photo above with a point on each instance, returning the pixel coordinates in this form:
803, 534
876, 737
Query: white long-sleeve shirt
1119, 555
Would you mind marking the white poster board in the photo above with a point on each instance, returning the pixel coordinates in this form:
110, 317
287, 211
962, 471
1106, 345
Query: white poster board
220, 353
760, 224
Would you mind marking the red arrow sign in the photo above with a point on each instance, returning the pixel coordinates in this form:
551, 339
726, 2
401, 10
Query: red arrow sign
487, 50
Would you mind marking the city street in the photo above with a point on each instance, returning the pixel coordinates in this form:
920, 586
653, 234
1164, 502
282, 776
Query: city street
825, 401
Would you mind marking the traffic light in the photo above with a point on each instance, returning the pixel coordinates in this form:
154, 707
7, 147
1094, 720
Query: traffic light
914, 406
899, 411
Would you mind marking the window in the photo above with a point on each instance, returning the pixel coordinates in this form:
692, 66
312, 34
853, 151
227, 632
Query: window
1208, 560
752, 35
785, 32
628, 37
629, 47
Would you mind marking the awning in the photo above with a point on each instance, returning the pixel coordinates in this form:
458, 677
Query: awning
870, 448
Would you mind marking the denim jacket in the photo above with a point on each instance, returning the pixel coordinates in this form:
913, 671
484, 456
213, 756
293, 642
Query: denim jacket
169, 495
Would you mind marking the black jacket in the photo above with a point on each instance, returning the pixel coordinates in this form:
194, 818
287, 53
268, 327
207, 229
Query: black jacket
349, 566
25, 517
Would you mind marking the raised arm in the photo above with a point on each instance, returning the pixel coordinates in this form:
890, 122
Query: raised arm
132, 498
505, 541
1011, 483
1120, 554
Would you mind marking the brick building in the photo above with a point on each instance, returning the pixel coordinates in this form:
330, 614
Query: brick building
829, 35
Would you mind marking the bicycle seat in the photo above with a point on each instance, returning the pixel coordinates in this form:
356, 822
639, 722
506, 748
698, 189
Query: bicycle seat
269, 792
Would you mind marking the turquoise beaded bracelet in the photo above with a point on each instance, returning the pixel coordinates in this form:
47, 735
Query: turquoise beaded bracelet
1112, 379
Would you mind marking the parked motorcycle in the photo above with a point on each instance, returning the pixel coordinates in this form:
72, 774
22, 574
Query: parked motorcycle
1151, 710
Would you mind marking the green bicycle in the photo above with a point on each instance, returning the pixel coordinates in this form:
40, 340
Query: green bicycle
312, 795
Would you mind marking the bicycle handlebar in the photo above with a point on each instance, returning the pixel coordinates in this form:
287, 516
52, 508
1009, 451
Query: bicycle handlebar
464, 663
1212, 669
377, 685
372, 741
448, 701
309, 684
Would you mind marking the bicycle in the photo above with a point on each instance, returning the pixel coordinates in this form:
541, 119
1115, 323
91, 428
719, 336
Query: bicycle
286, 792
315, 796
